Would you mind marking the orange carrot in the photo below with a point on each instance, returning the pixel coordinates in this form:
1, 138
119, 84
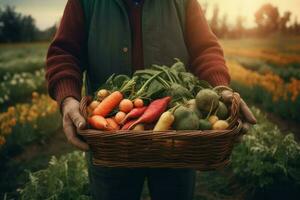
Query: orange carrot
112, 124
98, 122
120, 116
108, 104
138, 103
125, 105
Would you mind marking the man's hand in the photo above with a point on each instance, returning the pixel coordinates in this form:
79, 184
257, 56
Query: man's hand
246, 114
72, 119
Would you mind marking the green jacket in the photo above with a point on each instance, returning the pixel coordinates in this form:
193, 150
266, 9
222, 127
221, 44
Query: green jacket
109, 33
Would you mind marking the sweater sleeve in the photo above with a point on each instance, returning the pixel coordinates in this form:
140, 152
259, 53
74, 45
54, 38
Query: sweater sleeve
66, 58
206, 55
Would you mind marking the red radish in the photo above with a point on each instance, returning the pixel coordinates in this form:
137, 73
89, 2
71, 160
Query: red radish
120, 116
108, 104
134, 113
98, 122
138, 103
128, 124
126, 105
112, 124
154, 111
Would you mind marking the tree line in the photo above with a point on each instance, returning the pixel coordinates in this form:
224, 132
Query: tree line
267, 18
15, 27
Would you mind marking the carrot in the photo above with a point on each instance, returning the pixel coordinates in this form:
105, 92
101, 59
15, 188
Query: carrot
138, 103
134, 113
94, 104
98, 122
126, 105
165, 122
108, 104
128, 124
112, 124
153, 112
120, 116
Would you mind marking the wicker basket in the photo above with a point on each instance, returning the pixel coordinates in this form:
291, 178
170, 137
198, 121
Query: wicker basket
201, 150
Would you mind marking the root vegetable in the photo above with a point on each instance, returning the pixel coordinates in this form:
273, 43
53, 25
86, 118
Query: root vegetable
204, 125
139, 127
134, 113
213, 119
112, 124
98, 122
165, 122
126, 105
153, 112
220, 125
138, 103
185, 119
128, 125
108, 104
222, 111
94, 104
102, 94
120, 116
207, 98
192, 105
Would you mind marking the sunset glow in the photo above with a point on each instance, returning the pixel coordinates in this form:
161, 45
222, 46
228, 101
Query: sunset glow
47, 13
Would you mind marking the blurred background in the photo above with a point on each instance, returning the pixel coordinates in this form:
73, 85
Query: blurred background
261, 40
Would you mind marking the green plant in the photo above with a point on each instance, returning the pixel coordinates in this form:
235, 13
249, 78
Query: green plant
65, 178
267, 159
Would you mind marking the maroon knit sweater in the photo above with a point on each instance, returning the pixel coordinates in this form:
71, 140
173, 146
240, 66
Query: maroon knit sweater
67, 52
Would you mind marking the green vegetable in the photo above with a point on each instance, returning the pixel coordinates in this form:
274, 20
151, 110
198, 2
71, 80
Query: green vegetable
222, 111
207, 100
185, 119
192, 105
178, 66
204, 124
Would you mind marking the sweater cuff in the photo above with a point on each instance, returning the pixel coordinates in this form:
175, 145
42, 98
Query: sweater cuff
67, 88
217, 79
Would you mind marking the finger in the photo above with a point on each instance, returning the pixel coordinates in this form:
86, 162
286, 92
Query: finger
227, 96
70, 133
78, 143
245, 128
77, 119
248, 115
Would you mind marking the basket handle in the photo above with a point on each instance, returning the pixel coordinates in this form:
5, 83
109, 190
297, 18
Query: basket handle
85, 101
235, 109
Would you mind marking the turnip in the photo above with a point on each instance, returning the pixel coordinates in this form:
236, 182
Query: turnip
192, 105
220, 125
204, 125
207, 100
222, 111
185, 119
213, 119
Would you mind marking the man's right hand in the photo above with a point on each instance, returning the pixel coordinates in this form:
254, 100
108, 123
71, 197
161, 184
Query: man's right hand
72, 120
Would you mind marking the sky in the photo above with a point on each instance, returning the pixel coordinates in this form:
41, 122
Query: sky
48, 12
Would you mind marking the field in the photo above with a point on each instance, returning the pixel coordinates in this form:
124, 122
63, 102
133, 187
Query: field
37, 163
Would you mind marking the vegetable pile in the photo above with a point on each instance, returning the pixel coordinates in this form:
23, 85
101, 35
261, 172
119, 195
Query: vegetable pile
160, 98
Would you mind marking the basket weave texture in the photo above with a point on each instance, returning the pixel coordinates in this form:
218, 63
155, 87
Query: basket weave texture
200, 150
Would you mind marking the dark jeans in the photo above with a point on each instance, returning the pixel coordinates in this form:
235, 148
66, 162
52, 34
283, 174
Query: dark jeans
127, 184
